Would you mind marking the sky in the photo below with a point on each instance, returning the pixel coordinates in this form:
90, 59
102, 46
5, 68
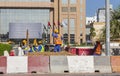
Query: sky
93, 5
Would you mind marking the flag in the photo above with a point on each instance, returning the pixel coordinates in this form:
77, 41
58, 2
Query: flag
64, 24
45, 27
49, 25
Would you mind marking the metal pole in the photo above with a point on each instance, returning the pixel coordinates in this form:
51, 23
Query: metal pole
107, 27
68, 22
27, 37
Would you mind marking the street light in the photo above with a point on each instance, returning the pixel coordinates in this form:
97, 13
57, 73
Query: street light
107, 2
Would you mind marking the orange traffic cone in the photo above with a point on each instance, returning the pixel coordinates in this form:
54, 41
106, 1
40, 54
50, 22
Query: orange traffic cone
12, 53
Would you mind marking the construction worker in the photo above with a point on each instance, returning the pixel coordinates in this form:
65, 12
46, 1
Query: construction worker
33, 49
24, 42
35, 42
97, 49
57, 41
40, 47
26, 50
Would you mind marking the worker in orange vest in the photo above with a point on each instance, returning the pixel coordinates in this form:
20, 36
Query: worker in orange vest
97, 49
57, 40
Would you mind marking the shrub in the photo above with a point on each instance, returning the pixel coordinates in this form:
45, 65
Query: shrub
4, 47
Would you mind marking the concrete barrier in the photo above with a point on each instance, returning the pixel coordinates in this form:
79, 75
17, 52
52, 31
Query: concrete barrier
3, 64
102, 64
17, 64
80, 64
38, 64
58, 64
115, 63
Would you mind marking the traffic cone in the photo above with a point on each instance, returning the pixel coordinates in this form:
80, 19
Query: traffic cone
12, 53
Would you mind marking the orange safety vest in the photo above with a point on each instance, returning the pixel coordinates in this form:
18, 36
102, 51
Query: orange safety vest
58, 40
98, 49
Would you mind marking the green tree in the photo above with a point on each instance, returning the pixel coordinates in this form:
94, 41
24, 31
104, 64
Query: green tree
92, 33
4, 47
115, 24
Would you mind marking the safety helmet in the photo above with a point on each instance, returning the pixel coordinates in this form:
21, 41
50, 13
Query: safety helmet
56, 31
40, 42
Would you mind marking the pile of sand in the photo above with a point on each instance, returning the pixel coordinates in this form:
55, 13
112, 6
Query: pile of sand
62, 53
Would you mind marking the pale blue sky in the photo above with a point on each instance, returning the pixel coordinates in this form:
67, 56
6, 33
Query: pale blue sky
93, 5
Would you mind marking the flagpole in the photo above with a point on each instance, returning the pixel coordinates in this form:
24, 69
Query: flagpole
27, 37
58, 15
68, 22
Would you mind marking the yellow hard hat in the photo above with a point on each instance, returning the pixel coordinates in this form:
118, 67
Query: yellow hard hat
56, 31
40, 42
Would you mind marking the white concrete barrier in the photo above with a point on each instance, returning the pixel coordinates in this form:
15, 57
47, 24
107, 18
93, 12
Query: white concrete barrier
102, 64
17, 64
58, 64
81, 64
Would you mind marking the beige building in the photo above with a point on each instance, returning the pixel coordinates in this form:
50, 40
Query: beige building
99, 26
69, 12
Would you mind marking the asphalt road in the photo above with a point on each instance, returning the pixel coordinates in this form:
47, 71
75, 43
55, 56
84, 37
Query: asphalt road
88, 74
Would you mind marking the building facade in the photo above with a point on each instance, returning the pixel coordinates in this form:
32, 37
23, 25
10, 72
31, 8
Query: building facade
71, 12
99, 27
101, 14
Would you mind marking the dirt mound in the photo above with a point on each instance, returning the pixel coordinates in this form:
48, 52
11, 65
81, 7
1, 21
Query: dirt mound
63, 53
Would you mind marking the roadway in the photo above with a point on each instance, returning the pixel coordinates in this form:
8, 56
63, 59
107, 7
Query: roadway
83, 74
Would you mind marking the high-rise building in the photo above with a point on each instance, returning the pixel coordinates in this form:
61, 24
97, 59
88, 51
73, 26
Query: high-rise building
70, 12
101, 14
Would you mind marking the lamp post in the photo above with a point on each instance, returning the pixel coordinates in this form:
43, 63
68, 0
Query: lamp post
107, 27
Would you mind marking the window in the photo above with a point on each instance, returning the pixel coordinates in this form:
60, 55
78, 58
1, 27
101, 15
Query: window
72, 35
65, 25
81, 41
72, 26
81, 1
72, 9
64, 9
73, 1
80, 25
64, 1
81, 9
80, 17
72, 41
81, 34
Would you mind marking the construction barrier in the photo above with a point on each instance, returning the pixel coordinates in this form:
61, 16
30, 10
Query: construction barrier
17, 64
81, 50
73, 51
81, 64
3, 64
58, 64
84, 51
115, 64
38, 64
102, 64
